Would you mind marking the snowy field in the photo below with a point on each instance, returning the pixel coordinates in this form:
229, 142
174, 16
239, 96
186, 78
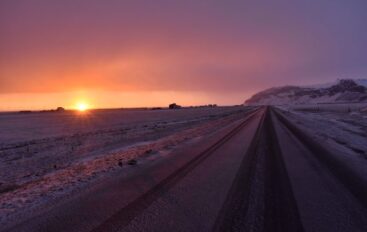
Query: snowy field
44, 156
16, 127
335, 107
47, 157
343, 130
342, 126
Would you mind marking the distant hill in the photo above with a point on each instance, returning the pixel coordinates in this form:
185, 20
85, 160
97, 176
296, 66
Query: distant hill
344, 90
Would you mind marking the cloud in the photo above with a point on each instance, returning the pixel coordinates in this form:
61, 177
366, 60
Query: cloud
222, 47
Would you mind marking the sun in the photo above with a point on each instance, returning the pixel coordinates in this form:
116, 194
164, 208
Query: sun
82, 106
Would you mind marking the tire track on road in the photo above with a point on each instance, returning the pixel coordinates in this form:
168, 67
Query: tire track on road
328, 186
347, 176
261, 197
124, 216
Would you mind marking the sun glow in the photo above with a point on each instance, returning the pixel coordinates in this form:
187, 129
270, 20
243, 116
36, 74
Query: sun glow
82, 106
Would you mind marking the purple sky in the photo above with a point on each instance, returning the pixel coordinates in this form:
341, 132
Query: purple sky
225, 50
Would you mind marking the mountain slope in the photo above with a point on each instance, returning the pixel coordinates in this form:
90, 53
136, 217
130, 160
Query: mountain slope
345, 90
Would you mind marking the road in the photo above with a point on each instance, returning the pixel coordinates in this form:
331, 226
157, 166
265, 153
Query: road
259, 174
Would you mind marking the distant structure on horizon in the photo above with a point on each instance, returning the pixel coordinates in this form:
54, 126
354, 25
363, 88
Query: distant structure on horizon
174, 106
60, 109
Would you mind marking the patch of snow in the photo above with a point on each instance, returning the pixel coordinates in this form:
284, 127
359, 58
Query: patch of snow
50, 168
362, 82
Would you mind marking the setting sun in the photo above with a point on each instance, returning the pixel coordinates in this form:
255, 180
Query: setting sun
82, 106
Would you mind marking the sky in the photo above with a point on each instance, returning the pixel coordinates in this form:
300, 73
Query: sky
114, 53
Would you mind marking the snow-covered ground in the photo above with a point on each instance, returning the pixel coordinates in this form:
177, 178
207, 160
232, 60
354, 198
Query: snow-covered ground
340, 91
331, 107
18, 127
44, 156
342, 130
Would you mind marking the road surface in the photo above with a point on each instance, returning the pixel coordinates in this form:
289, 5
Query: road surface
258, 174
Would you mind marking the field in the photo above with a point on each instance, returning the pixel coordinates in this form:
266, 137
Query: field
45, 155
332, 107
200, 169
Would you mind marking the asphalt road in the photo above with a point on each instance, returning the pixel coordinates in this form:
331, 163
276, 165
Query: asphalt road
259, 174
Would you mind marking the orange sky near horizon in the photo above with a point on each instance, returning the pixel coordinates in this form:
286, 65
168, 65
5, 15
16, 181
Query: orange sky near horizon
137, 53
108, 99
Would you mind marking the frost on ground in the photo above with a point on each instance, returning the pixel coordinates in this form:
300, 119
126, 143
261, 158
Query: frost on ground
37, 169
343, 137
343, 131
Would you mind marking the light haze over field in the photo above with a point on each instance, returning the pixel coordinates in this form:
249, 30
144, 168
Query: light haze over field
151, 53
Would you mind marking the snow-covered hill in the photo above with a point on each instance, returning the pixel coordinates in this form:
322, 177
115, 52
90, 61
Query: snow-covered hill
345, 90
